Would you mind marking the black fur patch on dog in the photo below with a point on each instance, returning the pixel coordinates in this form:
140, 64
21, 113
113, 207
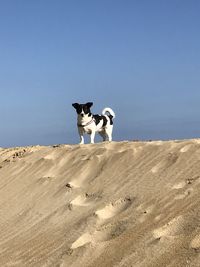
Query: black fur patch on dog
111, 119
100, 117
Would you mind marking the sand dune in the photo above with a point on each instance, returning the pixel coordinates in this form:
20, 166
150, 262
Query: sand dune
109, 204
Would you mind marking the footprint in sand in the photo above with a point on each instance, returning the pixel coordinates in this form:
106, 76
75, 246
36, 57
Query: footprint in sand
45, 180
95, 156
74, 184
185, 194
195, 243
81, 241
106, 232
79, 181
114, 208
145, 212
80, 201
185, 148
172, 228
168, 162
83, 200
156, 168
179, 185
103, 234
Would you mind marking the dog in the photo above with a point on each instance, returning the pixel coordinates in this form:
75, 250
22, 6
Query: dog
90, 124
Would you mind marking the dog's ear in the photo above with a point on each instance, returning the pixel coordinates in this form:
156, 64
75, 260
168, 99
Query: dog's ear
75, 105
89, 104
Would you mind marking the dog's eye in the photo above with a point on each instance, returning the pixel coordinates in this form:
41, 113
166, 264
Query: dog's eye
86, 109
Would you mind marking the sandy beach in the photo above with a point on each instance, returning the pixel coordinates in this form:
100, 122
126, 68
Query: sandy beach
108, 204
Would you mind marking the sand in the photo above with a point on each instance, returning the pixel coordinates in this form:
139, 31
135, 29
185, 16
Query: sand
108, 204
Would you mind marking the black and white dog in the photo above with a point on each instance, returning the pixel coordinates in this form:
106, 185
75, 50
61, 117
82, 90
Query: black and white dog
90, 124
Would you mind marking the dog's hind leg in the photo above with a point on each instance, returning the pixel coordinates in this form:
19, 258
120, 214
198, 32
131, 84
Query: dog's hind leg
103, 135
92, 135
109, 133
110, 137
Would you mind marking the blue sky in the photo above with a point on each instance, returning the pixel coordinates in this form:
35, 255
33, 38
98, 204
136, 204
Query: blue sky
139, 57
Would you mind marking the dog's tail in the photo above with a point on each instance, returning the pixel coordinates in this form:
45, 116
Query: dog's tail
110, 112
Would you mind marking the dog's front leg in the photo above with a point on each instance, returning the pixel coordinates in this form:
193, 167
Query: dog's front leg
81, 136
81, 140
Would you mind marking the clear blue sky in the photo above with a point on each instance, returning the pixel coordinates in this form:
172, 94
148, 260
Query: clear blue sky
139, 57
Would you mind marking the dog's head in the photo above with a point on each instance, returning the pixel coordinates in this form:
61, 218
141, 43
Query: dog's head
83, 110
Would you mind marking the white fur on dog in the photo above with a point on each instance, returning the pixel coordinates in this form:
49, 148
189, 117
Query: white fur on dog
90, 124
